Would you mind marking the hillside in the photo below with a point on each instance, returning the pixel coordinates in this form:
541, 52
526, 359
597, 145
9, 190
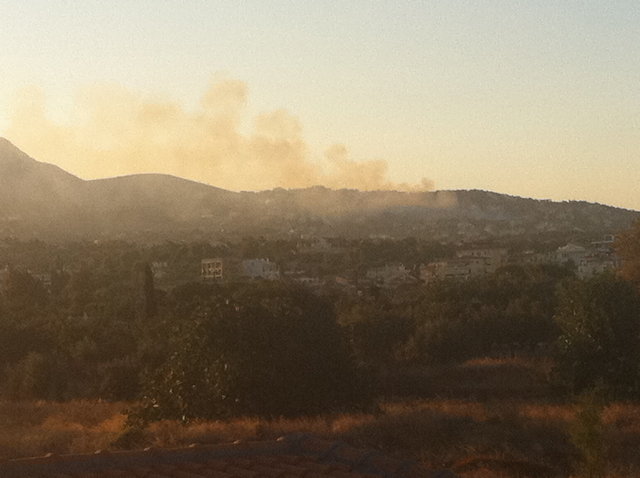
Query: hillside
42, 200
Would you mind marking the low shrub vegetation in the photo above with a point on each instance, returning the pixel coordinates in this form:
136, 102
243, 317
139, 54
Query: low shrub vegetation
492, 437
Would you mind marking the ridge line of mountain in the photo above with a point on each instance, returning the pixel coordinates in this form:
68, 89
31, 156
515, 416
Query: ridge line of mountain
38, 198
6, 144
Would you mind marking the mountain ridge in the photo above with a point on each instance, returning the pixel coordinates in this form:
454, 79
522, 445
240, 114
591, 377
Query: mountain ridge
40, 199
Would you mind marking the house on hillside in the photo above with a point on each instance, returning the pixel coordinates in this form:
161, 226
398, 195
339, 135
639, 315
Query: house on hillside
490, 259
456, 269
598, 258
389, 275
595, 264
308, 281
260, 269
531, 257
300, 276
605, 245
159, 269
212, 269
570, 253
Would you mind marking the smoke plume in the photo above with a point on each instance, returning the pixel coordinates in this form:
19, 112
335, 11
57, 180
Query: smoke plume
116, 131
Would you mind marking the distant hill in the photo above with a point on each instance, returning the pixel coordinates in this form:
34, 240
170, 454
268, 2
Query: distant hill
39, 200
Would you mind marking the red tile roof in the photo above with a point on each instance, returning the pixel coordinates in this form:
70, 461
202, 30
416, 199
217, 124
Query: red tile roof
297, 456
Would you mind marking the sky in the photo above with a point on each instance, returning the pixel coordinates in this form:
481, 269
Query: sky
537, 99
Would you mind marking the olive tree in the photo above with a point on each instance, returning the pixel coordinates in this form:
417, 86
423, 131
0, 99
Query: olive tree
257, 350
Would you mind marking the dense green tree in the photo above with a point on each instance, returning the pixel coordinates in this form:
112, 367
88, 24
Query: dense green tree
81, 290
510, 310
144, 295
23, 293
264, 350
627, 246
599, 320
377, 331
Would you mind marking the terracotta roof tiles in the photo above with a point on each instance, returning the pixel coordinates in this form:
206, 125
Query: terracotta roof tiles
297, 456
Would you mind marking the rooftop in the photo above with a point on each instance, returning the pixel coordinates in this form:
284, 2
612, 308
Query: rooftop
296, 456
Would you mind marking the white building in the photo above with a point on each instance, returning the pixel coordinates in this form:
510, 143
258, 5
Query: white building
260, 269
595, 264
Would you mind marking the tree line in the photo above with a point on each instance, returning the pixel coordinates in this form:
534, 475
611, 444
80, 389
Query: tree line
272, 349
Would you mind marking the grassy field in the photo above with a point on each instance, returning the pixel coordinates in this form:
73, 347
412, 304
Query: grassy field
513, 432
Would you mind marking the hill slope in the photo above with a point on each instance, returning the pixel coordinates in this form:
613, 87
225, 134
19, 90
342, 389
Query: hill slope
42, 200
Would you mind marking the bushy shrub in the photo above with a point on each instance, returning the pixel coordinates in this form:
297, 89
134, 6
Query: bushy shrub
37, 376
262, 350
599, 321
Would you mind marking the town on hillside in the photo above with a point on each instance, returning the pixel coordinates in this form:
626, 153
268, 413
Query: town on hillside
467, 263
317, 262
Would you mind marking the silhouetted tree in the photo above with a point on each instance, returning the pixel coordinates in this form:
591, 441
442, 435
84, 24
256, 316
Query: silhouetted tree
627, 246
144, 291
599, 321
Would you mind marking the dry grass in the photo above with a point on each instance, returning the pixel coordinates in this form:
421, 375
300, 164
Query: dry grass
37, 428
480, 438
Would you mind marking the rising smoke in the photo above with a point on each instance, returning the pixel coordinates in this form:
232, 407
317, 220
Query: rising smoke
116, 131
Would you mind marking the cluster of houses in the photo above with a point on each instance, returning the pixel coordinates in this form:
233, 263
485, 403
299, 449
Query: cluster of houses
44, 277
218, 268
467, 263
221, 269
587, 261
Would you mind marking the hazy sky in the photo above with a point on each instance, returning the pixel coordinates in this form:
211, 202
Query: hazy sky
533, 98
